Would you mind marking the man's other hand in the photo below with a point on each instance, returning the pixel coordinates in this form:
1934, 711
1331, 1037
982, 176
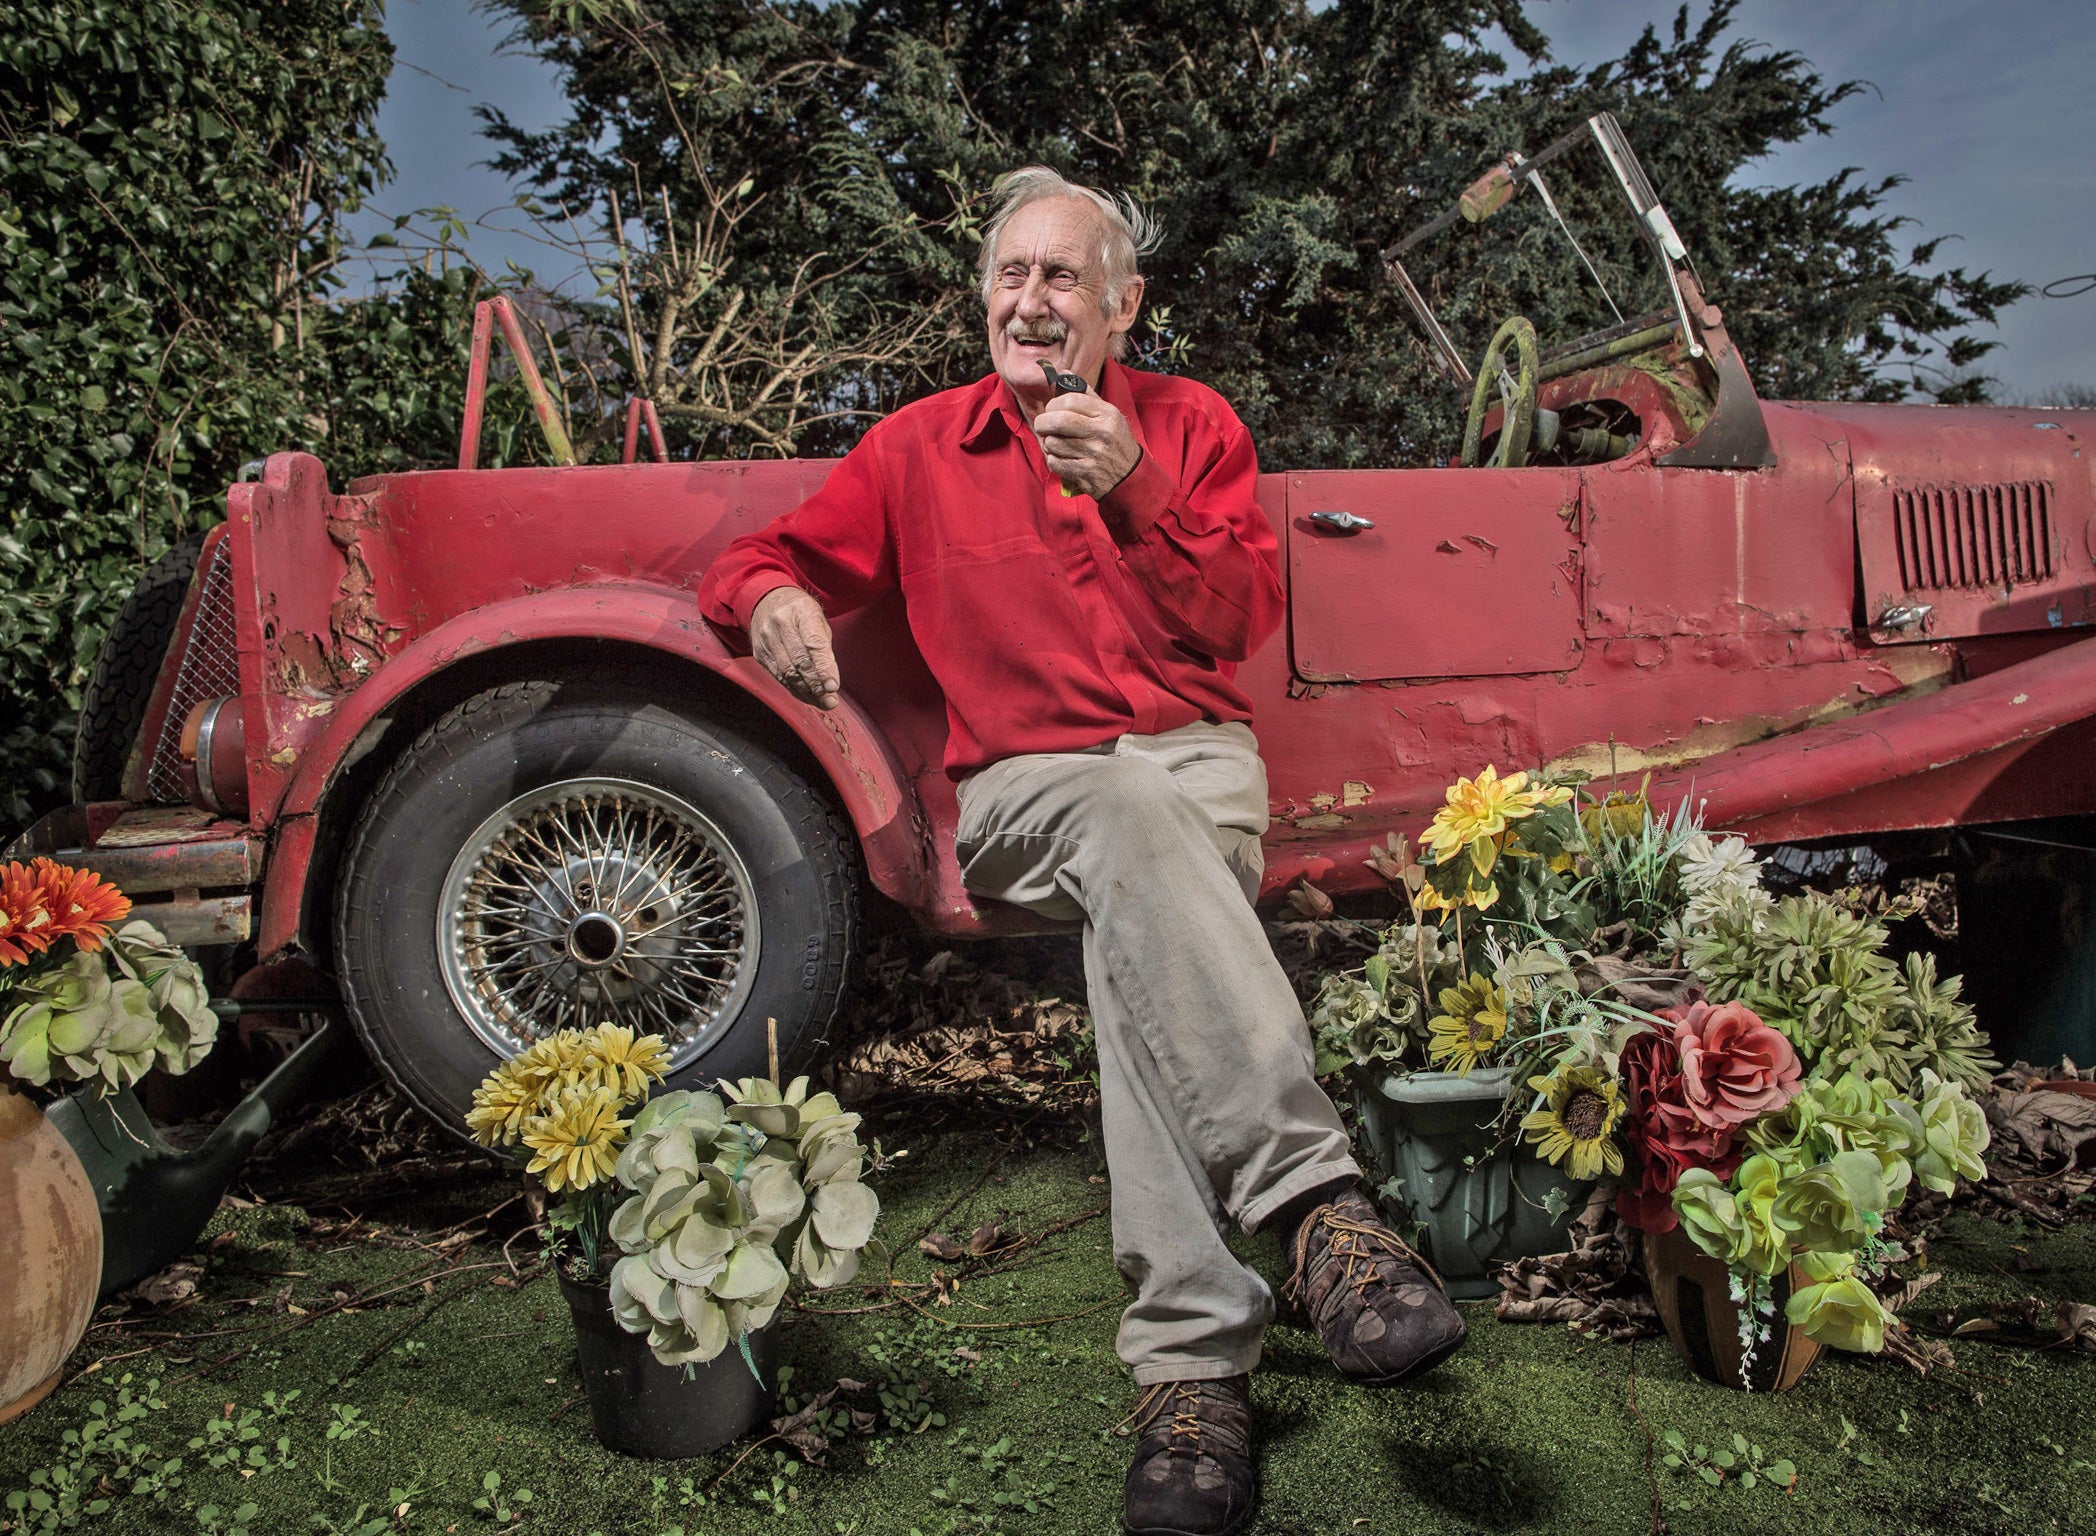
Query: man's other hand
791, 639
1086, 442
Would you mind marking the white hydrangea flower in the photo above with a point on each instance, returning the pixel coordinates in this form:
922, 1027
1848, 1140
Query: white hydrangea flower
1718, 867
1746, 909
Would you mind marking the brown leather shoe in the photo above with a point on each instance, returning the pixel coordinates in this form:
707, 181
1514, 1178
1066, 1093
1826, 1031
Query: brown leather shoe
1378, 1306
1193, 1463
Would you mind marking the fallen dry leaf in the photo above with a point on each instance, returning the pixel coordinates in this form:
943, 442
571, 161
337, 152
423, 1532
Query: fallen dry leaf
177, 1282
2052, 1128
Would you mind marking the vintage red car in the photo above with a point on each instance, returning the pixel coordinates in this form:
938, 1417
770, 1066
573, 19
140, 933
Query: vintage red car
461, 740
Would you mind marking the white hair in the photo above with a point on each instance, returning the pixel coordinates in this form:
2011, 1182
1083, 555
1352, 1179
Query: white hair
1128, 231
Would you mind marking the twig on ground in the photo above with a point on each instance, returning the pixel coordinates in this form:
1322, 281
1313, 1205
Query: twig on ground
1659, 1521
89, 1370
408, 1327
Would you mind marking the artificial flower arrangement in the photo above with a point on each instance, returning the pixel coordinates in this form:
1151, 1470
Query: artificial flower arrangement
700, 1209
1757, 1071
87, 996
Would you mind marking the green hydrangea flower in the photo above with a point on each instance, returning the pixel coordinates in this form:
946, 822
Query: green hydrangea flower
1739, 1224
1838, 1310
1953, 1135
1835, 1206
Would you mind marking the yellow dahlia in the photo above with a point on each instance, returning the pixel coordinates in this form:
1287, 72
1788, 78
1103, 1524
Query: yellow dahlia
1471, 1022
577, 1141
1478, 812
1577, 1121
622, 1063
1620, 815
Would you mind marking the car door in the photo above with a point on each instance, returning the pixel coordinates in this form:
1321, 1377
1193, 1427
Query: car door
1433, 573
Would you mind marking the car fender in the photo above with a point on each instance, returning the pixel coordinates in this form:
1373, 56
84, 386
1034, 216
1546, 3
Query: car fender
851, 750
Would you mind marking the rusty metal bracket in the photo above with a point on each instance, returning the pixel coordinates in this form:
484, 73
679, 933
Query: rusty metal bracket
487, 314
1736, 434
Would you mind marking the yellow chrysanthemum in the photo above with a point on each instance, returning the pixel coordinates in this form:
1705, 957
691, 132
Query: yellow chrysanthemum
501, 1105
1471, 1022
576, 1142
622, 1063
1577, 1121
548, 1061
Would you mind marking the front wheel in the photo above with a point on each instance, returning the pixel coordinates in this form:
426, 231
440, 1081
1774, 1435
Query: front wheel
541, 859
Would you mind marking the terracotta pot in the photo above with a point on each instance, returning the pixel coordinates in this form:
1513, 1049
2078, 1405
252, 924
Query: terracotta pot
1693, 1292
52, 1259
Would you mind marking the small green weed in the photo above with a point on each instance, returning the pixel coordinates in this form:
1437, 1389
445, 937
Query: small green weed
1742, 1460
494, 1504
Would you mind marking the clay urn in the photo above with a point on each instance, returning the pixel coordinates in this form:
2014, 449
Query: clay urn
51, 1261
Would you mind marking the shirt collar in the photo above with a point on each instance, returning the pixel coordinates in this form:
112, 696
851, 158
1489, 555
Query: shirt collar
992, 404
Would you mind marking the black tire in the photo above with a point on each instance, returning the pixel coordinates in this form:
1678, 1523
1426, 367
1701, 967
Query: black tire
508, 759
125, 669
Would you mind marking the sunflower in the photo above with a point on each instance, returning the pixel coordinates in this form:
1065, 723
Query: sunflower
501, 1105
1581, 1108
25, 922
83, 906
622, 1063
1471, 1021
576, 1142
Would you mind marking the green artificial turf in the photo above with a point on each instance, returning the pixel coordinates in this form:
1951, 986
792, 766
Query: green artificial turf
995, 1422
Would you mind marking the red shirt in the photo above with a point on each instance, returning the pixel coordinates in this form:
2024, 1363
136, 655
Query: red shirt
1052, 623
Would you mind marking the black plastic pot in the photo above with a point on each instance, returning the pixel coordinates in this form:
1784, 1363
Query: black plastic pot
642, 1407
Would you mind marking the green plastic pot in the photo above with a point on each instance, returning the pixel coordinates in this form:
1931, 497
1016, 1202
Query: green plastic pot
1478, 1206
155, 1198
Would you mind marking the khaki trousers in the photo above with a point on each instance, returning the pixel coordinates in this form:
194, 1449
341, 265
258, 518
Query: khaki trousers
1211, 1110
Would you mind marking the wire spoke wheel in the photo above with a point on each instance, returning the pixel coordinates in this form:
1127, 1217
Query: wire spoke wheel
598, 901
546, 855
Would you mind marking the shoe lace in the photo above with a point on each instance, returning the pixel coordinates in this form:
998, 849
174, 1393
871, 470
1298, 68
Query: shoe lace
1359, 1247
1183, 1400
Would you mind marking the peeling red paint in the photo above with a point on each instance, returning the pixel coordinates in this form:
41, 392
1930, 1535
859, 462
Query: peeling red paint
1700, 622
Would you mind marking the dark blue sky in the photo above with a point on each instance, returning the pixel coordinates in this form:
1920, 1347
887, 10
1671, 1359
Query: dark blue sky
1987, 109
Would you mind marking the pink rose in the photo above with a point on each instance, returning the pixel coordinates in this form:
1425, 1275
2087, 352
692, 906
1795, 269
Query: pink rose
1734, 1068
1665, 1138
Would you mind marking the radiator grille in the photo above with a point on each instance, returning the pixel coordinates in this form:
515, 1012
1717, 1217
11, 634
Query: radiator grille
1953, 536
210, 669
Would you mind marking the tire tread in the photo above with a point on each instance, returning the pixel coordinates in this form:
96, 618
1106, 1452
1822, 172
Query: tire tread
828, 838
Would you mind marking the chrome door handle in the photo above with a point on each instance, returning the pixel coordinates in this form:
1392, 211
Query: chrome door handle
1342, 522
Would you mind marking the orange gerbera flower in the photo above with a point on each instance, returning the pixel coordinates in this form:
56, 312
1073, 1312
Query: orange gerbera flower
25, 921
83, 906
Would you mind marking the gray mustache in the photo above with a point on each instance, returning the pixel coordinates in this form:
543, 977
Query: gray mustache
1051, 331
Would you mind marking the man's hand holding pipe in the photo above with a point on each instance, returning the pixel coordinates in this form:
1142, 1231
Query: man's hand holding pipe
1087, 444
790, 638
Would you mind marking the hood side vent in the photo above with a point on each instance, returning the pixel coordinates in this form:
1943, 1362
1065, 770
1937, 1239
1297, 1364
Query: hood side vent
1973, 536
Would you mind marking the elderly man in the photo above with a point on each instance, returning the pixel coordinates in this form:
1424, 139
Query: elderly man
1082, 572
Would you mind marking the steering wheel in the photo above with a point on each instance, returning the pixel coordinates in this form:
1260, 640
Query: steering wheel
1519, 421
